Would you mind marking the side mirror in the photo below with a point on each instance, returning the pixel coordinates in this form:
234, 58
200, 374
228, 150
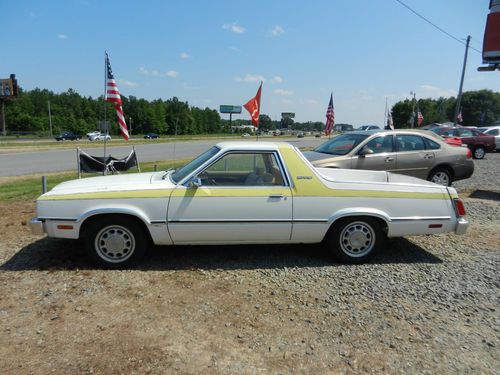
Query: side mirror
195, 182
365, 151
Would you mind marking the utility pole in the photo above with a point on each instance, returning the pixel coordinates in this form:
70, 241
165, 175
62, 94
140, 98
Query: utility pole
459, 96
50, 120
2, 108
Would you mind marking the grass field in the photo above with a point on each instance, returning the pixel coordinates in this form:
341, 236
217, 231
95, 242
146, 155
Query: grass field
29, 188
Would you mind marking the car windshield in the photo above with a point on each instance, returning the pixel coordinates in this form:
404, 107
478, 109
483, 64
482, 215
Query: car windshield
181, 173
341, 144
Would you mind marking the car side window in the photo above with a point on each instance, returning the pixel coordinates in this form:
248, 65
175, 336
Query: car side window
465, 133
409, 143
244, 169
493, 132
380, 144
431, 145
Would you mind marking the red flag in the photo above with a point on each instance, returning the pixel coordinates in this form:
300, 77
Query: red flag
330, 117
113, 96
420, 118
253, 107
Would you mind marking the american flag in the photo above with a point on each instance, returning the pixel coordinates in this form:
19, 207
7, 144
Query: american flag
330, 117
420, 118
390, 124
113, 96
459, 116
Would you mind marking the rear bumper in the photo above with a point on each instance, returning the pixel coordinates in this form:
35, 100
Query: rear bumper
462, 226
463, 171
37, 226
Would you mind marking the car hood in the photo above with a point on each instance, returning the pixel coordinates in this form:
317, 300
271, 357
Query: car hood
136, 181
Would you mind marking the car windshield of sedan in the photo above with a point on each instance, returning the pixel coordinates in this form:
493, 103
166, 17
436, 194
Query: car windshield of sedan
341, 144
181, 173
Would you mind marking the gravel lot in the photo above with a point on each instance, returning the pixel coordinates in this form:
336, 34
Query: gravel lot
426, 304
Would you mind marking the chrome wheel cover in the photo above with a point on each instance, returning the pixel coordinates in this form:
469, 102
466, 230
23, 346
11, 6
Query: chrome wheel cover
114, 244
441, 178
479, 153
357, 239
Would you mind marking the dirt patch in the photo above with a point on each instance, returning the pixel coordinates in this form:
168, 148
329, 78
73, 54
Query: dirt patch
425, 304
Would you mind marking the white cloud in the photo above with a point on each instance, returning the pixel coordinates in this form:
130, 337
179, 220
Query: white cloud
436, 92
283, 92
62, 36
276, 79
127, 83
184, 55
278, 30
250, 78
234, 27
172, 74
312, 103
286, 101
143, 71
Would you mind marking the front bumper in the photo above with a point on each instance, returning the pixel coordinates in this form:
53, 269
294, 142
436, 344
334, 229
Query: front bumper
37, 226
462, 226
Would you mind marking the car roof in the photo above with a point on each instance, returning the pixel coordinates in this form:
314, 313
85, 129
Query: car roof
253, 145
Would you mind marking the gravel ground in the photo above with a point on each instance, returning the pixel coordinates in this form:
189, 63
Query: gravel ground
426, 304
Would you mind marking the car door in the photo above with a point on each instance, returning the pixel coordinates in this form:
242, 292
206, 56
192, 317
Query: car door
242, 197
382, 158
413, 158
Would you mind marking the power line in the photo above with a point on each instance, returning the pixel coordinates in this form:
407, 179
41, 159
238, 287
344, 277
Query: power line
436, 26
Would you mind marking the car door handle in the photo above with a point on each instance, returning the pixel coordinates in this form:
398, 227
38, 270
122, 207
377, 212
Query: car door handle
279, 196
428, 156
387, 160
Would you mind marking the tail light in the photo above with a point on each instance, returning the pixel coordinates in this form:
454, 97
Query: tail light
469, 153
459, 207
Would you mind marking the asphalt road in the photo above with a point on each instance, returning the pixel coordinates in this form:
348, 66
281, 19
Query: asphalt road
25, 163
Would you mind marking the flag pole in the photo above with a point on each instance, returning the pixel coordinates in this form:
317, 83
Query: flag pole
385, 113
105, 123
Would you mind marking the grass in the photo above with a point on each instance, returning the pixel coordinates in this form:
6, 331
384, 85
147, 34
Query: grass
29, 188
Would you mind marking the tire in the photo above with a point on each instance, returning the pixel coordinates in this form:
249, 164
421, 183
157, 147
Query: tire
441, 176
479, 152
115, 242
355, 239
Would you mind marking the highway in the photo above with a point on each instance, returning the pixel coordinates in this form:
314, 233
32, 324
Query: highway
26, 163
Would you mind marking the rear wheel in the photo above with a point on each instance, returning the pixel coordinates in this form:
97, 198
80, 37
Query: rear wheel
115, 241
355, 239
479, 152
440, 176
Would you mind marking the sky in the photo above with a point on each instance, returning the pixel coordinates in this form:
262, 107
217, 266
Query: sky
216, 52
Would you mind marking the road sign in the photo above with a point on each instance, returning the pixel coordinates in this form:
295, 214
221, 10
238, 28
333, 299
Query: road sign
230, 109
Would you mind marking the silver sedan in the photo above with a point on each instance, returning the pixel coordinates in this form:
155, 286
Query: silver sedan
420, 154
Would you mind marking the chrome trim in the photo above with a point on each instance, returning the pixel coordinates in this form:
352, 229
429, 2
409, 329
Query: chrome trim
254, 221
462, 226
37, 226
58, 218
421, 218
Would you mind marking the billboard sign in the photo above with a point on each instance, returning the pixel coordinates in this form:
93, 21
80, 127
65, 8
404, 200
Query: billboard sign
287, 115
230, 109
6, 89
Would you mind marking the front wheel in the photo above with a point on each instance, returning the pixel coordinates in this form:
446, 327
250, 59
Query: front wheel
115, 242
479, 152
355, 239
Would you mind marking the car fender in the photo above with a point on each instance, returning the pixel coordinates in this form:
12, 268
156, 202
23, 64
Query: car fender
359, 211
115, 211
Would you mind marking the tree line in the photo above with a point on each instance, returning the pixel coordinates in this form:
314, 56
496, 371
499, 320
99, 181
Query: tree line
70, 111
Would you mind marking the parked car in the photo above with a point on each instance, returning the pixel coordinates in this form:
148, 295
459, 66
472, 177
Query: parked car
67, 136
414, 153
300, 135
151, 136
246, 193
478, 142
92, 134
245, 135
494, 131
100, 137
368, 127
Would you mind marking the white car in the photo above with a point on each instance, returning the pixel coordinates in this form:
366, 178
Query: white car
494, 131
100, 137
246, 193
92, 135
